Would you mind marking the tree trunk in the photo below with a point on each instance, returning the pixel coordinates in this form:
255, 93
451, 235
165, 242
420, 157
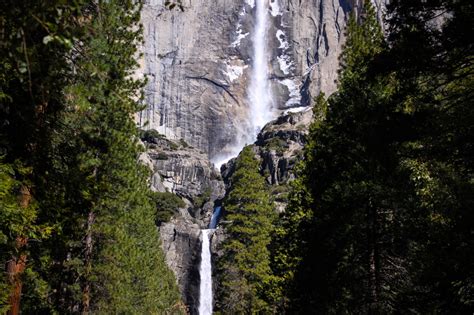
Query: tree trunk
88, 264
374, 261
17, 264
15, 267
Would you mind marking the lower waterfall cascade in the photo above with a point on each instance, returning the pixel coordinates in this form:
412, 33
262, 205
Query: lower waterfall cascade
205, 272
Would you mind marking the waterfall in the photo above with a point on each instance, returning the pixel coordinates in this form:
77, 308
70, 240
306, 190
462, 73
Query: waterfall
215, 217
205, 272
261, 112
260, 97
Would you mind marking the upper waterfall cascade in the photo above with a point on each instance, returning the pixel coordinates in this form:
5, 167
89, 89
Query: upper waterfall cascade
260, 96
261, 109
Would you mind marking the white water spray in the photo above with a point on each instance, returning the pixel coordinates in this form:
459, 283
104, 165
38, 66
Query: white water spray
205, 272
260, 97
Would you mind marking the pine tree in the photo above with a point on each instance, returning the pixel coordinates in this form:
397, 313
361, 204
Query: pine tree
293, 231
111, 252
244, 270
77, 220
433, 60
33, 71
386, 179
341, 210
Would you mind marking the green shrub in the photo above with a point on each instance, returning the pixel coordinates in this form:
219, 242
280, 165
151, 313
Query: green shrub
183, 143
162, 156
277, 144
279, 189
173, 146
200, 200
167, 204
150, 135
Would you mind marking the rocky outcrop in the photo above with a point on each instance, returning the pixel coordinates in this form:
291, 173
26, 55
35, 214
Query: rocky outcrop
279, 147
198, 63
187, 172
182, 246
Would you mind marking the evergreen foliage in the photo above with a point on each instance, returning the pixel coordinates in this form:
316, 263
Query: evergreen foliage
167, 204
244, 270
377, 218
36, 38
79, 217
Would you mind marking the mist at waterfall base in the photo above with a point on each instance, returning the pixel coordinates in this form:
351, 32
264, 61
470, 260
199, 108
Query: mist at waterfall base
260, 99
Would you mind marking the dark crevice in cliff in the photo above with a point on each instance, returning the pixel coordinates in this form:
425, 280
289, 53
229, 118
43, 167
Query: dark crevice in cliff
318, 41
217, 84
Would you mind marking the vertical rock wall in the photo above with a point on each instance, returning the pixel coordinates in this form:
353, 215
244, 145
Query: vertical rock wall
188, 95
310, 36
198, 63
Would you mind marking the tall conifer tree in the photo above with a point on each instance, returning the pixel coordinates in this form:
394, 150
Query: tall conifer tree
119, 263
386, 182
244, 270
348, 248
69, 164
34, 42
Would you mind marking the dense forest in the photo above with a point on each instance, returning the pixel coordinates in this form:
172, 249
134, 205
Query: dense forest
77, 220
385, 194
380, 217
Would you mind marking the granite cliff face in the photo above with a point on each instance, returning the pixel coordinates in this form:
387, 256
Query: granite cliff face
198, 62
